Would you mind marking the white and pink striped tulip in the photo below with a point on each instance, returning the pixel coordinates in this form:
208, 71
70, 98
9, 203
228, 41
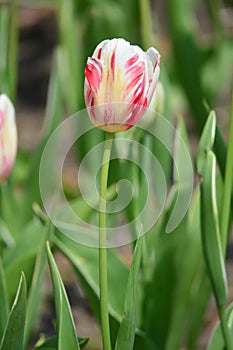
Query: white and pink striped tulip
120, 82
8, 137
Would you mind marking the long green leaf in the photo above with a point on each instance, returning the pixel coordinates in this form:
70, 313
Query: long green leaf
52, 343
216, 341
210, 231
13, 335
85, 259
207, 140
67, 338
35, 289
125, 338
4, 304
189, 259
21, 257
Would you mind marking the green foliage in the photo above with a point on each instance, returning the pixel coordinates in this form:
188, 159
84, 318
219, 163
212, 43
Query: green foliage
35, 288
4, 304
160, 302
52, 343
126, 334
67, 338
21, 257
13, 334
211, 240
85, 261
210, 231
216, 341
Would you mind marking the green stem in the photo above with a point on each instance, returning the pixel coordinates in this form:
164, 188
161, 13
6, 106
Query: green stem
102, 244
146, 24
228, 185
225, 330
12, 50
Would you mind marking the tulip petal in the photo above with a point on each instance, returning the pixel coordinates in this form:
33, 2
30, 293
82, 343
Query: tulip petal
8, 137
121, 78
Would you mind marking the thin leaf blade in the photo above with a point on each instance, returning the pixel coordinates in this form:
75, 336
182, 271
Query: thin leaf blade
211, 242
67, 338
13, 335
126, 334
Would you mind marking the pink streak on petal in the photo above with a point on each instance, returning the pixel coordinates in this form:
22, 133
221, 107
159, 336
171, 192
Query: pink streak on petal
145, 103
1, 119
134, 81
99, 53
136, 73
93, 73
157, 63
136, 69
139, 93
112, 63
131, 60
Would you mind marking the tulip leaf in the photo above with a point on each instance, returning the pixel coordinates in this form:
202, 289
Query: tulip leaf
21, 257
13, 334
211, 242
4, 304
180, 141
183, 176
52, 343
165, 322
217, 341
207, 140
67, 338
5, 235
126, 334
185, 305
85, 261
35, 288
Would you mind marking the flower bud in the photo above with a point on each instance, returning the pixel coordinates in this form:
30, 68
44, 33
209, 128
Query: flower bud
8, 137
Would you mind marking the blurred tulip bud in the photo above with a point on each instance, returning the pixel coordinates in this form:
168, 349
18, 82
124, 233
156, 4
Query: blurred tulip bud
156, 106
120, 82
8, 137
158, 99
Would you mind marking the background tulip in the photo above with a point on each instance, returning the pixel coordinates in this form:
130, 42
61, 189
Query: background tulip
120, 82
8, 137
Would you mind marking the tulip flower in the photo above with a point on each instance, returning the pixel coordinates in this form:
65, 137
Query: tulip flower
8, 137
120, 82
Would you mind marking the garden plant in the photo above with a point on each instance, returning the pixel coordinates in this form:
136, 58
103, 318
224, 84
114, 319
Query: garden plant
145, 220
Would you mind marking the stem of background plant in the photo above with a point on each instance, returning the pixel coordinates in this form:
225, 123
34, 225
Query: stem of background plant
228, 187
103, 277
225, 330
12, 50
146, 24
